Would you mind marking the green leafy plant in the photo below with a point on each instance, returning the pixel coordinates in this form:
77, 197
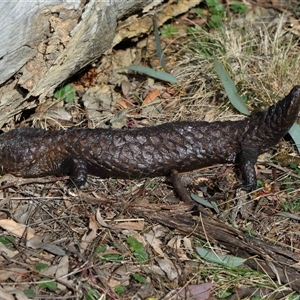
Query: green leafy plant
30, 293
238, 7
66, 93
138, 249
113, 257
224, 294
49, 284
92, 294
291, 206
259, 183
295, 167
141, 255
7, 240
151, 185
139, 278
217, 12
120, 289
41, 266
289, 188
168, 30
99, 249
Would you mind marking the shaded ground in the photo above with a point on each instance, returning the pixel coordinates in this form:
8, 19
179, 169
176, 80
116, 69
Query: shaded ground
134, 239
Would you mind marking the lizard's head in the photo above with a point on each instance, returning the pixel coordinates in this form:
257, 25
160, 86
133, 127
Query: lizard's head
279, 118
268, 127
290, 106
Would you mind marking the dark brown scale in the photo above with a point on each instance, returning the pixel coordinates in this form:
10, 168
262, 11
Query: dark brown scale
149, 151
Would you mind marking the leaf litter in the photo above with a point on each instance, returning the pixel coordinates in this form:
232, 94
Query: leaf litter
82, 235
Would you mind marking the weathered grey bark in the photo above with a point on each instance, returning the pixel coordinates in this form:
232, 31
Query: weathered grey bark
43, 43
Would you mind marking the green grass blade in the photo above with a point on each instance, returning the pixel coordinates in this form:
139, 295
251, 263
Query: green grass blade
230, 89
152, 73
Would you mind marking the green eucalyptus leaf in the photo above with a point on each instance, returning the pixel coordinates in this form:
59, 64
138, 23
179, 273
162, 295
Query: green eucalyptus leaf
202, 201
153, 73
231, 90
295, 134
228, 260
159, 50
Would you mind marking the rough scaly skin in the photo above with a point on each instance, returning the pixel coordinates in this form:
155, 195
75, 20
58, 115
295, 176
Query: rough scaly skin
149, 151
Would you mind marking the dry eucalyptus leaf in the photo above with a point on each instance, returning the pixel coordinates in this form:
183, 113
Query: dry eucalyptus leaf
19, 294
62, 271
6, 251
154, 243
35, 242
168, 267
23, 212
54, 249
175, 243
17, 228
125, 86
100, 219
5, 273
197, 291
5, 295
135, 225
155, 270
88, 238
63, 267
160, 231
119, 120
50, 271
58, 114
